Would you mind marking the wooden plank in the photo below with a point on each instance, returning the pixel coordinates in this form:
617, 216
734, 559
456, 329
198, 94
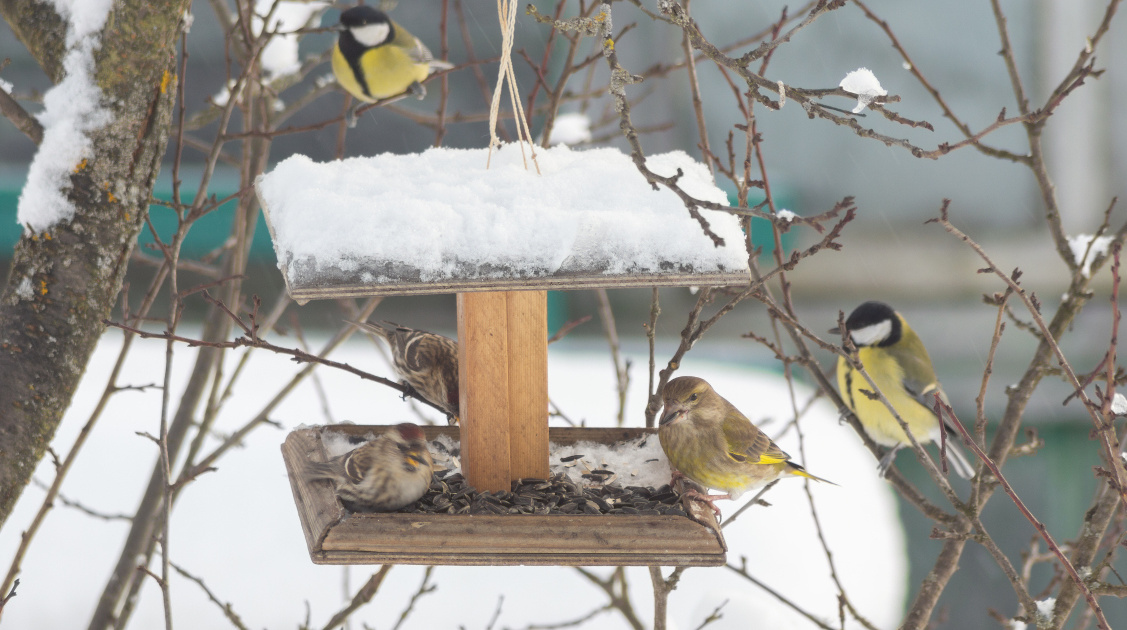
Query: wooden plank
303, 287
483, 377
531, 559
527, 314
317, 506
591, 535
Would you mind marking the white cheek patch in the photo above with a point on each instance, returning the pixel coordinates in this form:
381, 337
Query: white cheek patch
371, 34
870, 335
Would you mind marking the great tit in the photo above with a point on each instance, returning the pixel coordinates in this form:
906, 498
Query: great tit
375, 58
897, 361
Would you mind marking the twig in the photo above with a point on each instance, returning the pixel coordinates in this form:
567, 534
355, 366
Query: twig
578, 621
496, 613
714, 615
661, 590
10, 595
298, 355
228, 611
567, 328
363, 596
1037, 524
651, 335
1110, 442
82, 508
424, 589
755, 500
621, 368
22, 120
742, 572
617, 590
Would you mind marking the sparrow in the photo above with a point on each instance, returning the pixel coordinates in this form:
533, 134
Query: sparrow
427, 363
383, 475
709, 441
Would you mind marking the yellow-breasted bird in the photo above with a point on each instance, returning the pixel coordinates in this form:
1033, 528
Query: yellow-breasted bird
386, 474
709, 441
376, 58
895, 358
427, 362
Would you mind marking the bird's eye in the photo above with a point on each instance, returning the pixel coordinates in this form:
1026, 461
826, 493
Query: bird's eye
404, 447
694, 397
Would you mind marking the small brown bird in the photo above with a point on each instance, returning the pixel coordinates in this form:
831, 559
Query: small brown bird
427, 362
390, 472
709, 441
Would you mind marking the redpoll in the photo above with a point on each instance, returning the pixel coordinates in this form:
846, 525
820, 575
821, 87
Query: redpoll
390, 472
427, 362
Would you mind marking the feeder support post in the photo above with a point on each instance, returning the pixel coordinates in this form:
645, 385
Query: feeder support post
503, 385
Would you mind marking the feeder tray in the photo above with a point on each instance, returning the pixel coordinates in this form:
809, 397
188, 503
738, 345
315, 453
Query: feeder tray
336, 536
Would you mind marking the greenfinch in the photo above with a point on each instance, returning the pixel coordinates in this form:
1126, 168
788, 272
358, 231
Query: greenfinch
709, 441
895, 358
388, 473
427, 362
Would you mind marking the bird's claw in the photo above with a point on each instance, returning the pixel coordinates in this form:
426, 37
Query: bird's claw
885, 463
693, 495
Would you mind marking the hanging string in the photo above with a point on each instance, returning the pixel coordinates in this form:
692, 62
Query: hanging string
507, 15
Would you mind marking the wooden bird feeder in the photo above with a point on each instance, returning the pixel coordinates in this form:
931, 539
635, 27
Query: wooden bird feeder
502, 328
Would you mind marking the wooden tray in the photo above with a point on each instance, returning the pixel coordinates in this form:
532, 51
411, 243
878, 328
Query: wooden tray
336, 536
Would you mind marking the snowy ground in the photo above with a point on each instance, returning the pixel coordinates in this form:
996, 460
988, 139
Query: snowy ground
238, 527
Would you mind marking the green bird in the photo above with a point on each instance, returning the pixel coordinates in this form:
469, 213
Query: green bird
709, 441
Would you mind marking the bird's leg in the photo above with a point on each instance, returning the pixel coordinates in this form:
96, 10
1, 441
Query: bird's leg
408, 390
710, 499
418, 90
695, 495
350, 116
886, 461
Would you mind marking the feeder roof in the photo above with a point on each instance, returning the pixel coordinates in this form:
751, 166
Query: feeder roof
440, 221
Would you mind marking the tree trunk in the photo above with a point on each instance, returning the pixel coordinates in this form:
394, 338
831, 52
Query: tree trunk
64, 282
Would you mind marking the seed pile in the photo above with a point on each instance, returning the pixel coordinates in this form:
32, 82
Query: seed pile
449, 494
591, 491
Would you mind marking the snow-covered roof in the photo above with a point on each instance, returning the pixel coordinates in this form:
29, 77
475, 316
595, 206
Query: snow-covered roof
440, 222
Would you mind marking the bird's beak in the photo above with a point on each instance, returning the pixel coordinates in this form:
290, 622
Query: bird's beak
834, 331
416, 458
671, 413
338, 27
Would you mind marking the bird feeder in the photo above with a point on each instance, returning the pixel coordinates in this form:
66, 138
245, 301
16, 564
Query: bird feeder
438, 222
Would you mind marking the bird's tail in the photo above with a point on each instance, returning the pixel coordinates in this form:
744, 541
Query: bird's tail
318, 470
959, 461
797, 470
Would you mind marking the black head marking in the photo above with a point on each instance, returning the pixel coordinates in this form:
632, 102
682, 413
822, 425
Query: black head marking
874, 313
